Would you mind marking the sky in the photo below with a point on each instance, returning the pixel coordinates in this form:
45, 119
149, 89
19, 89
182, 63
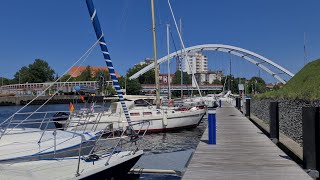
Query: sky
60, 32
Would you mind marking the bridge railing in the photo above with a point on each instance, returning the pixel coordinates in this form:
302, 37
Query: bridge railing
29, 88
173, 87
34, 86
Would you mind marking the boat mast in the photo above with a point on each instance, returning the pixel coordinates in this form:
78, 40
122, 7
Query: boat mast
181, 59
106, 55
229, 82
168, 47
156, 66
184, 49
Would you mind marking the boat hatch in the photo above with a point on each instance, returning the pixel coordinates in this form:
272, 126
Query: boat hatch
147, 113
135, 114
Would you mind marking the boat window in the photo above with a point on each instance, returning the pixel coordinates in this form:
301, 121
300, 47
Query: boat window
135, 114
147, 113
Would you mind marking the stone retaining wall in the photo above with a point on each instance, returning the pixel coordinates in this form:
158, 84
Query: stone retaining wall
290, 115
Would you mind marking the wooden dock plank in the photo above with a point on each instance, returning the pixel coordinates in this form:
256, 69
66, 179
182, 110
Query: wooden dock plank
242, 152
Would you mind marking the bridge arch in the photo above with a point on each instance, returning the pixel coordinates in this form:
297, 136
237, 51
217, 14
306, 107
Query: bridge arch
240, 52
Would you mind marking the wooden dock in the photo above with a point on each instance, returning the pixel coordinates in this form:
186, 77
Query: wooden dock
242, 152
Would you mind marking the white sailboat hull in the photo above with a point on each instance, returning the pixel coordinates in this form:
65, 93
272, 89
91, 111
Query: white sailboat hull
154, 122
23, 144
66, 168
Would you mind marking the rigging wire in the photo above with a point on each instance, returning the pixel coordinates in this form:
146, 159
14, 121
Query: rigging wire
64, 84
174, 44
159, 15
85, 55
184, 49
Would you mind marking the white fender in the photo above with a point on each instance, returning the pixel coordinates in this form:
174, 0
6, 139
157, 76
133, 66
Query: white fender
164, 119
120, 123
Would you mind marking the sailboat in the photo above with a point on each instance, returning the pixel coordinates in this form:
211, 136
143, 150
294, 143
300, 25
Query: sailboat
155, 118
113, 161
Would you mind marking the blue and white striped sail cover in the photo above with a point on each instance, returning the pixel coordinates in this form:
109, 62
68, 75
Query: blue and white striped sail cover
106, 55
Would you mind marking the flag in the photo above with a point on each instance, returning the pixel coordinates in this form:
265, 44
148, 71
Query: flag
71, 107
82, 98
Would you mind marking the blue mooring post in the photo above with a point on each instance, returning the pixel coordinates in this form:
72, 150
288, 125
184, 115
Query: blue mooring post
212, 127
220, 103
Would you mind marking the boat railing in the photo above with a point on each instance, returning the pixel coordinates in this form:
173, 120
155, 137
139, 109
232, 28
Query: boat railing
42, 122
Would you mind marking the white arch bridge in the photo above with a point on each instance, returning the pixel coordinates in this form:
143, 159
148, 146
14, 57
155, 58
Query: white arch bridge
272, 68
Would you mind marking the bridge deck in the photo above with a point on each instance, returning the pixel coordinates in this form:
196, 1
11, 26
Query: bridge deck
242, 152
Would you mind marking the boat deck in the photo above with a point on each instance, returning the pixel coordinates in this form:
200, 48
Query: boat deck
242, 152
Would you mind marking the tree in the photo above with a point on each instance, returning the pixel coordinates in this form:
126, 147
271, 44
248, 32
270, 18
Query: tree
86, 75
276, 87
234, 83
22, 76
101, 77
177, 78
37, 72
40, 71
102, 74
4, 81
133, 87
109, 90
146, 78
216, 81
256, 85
122, 82
66, 77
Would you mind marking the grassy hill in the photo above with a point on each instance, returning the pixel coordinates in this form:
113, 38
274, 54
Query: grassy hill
304, 85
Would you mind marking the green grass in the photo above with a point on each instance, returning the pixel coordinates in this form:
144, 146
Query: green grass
304, 85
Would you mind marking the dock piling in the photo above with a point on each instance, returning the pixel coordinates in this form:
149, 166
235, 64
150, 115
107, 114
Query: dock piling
238, 103
212, 128
248, 107
311, 144
274, 122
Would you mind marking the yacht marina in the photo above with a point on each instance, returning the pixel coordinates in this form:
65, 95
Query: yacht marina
87, 121
167, 151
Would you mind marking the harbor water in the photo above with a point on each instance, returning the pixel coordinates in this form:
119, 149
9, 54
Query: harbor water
169, 151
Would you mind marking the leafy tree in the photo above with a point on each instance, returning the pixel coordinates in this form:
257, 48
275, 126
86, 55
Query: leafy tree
102, 74
122, 82
276, 87
146, 78
216, 81
109, 90
86, 75
4, 81
56, 76
234, 83
37, 72
40, 71
22, 76
177, 78
66, 77
133, 86
256, 85
101, 77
